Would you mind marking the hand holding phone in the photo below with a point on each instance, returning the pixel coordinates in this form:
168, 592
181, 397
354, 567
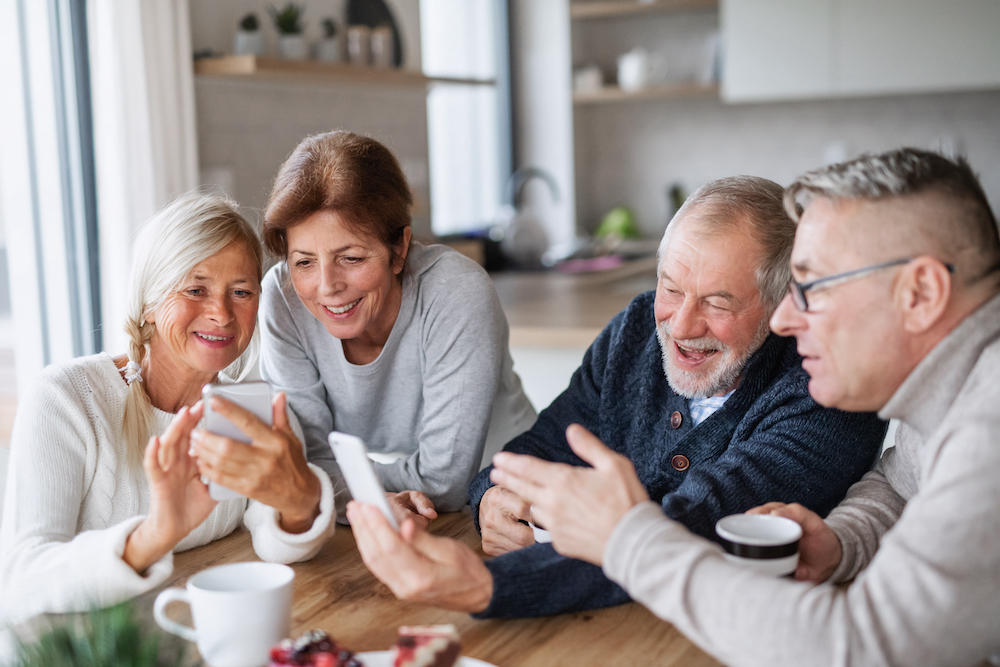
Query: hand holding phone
254, 397
352, 457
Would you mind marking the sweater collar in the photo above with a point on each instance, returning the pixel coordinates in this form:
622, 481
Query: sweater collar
927, 393
761, 369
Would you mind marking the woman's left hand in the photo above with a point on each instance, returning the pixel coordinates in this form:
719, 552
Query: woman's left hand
271, 469
413, 505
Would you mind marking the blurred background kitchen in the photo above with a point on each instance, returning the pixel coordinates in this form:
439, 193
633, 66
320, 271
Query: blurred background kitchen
550, 139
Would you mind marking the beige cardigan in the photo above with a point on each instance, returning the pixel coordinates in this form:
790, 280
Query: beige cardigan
921, 531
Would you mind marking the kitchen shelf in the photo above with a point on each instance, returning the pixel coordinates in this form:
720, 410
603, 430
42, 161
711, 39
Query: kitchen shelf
613, 8
277, 69
672, 92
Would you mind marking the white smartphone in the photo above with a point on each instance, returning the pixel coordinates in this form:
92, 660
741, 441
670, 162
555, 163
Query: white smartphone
252, 396
352, 457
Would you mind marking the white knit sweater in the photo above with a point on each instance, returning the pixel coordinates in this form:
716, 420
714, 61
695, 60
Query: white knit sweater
72, 500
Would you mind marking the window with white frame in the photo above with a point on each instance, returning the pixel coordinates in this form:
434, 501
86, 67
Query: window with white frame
468, 131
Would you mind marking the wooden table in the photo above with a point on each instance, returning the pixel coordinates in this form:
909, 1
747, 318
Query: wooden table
334, 591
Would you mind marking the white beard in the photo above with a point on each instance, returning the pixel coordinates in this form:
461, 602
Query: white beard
721, 375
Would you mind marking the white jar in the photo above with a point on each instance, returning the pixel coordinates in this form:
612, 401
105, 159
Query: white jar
383, 52
248, 42
293, 47
359, 45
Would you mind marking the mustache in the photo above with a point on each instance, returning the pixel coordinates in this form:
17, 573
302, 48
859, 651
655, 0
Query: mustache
701, 344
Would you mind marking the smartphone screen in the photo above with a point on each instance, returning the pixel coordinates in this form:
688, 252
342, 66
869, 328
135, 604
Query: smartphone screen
254, 397
352, 457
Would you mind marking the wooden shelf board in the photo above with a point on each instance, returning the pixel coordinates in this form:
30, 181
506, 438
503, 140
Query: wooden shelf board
676, 91
616, 8
278, 69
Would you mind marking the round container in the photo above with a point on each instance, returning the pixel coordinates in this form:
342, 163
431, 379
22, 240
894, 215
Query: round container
762, 542
542, 536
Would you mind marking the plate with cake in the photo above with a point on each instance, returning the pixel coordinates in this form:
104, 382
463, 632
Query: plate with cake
417, 646
386, 659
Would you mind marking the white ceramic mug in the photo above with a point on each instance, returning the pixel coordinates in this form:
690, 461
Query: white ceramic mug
542, 536
762, 542
382, 47
240, 610
638, 68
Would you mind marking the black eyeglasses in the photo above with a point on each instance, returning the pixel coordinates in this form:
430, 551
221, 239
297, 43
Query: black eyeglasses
798, 290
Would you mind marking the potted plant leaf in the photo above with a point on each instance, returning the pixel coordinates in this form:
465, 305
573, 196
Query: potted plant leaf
102, 638
328, 48
288, 21
249, 39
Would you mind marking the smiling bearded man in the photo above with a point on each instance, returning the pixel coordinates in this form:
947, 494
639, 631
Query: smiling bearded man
702, 366
714, 413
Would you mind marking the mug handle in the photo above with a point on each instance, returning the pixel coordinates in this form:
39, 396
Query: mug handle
165, 597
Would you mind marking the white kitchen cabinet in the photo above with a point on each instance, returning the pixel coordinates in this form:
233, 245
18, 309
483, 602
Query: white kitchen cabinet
776, 49
794, 49
894, 46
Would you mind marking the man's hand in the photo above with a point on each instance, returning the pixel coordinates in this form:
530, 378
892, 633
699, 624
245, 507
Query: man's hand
413, 505
819, 549
500, 514
579, 506
418, 566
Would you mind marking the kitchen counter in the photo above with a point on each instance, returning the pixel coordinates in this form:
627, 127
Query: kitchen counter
553, 309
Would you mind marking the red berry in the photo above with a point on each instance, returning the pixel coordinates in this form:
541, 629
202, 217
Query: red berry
324, 660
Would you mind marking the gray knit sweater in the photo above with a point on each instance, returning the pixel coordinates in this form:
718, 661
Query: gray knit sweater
442, 391
922, 531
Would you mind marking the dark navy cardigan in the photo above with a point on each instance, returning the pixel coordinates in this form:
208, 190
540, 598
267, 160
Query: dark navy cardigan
770, 441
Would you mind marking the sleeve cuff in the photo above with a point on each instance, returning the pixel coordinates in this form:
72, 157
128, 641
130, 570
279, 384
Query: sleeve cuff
156, 574
275, 545
850, 562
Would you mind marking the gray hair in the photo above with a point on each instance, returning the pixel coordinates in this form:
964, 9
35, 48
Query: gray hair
184, 233
756, 203
968, 225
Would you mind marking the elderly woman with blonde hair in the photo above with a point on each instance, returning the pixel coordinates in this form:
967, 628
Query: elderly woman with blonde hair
107, 465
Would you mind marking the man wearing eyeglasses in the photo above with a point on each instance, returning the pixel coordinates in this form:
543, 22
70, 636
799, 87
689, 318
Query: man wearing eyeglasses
686, 382
895, 307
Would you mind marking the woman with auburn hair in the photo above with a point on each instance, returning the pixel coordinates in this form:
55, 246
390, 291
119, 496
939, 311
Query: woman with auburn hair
373, 334
93, 514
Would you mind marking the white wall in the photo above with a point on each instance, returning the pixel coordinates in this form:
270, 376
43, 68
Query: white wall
4, 453
246, 129
631, 152
545, 371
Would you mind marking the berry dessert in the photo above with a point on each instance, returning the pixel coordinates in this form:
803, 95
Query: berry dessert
316, 649
426, 646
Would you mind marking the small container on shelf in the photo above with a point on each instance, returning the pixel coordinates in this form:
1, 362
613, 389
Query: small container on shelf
248, 39
383, 52
291, 43
359, 45
328, 48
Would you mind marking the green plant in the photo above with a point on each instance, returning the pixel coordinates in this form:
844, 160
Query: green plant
249, 23
329, 28
288, 21
103, 638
